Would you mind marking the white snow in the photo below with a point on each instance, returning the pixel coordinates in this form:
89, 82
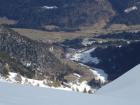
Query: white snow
87, 42
125, 86
128, 42
43, 83
77, 75
85, 57
81, 87
25, 81
49, 7
101, 41
123, 91
100, 75
51, 49
119, 46
27, 63
133, 8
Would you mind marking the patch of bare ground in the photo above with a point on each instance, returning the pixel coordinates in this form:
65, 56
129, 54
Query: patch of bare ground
88, 31
84, 71
5, 20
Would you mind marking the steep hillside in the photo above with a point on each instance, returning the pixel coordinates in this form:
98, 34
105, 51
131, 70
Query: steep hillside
115, 54
117, 60
55, 14
128, 11
77, 44
30, 58
42, 61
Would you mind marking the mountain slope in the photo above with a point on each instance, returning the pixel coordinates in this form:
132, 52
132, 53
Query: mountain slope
29, 58
123, 91
114, 53
56, 14
127, 11
25, 59
125, 87
33, 55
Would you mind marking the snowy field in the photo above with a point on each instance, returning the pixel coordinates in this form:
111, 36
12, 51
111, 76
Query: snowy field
123, 91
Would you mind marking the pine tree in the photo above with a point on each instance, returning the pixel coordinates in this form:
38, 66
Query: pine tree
90, 92
5, 71
18, 78
77, 89
85, 90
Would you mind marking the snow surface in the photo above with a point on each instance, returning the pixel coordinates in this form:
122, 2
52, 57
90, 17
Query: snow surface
85, 57
123, 91
87, 42
75, 74
133, 8
76, 86
126, 88
49, 7
26, 81
100, 74
80, 87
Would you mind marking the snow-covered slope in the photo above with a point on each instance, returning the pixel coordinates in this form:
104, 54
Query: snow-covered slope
128, 85
15, 78
123, 91
84, 57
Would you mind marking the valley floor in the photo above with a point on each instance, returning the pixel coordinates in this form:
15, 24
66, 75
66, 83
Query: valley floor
84, 32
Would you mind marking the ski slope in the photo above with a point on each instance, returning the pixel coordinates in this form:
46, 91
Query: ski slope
123, 91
